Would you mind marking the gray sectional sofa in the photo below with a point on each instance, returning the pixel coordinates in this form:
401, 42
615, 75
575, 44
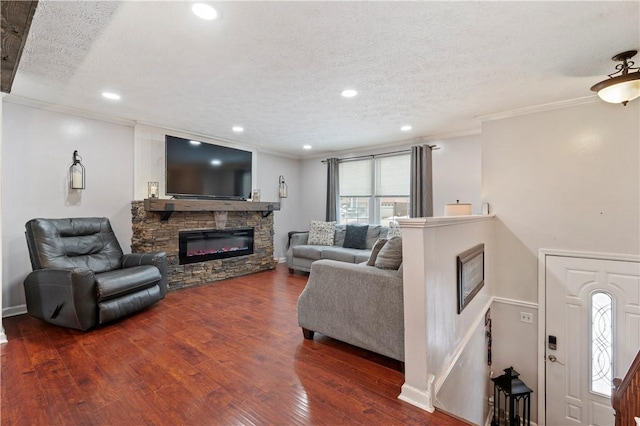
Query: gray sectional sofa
349, 296
301, 255
357, 304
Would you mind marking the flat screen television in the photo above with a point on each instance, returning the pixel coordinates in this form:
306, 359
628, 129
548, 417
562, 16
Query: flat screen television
197, 169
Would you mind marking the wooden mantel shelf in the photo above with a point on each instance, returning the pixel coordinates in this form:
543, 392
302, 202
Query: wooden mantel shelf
166, 207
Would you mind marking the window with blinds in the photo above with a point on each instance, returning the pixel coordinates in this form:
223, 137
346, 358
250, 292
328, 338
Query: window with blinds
374, 190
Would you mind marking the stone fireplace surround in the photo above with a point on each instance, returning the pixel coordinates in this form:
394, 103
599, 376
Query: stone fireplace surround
152, 233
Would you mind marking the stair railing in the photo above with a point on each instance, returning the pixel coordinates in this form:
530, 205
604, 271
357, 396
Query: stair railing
625, 398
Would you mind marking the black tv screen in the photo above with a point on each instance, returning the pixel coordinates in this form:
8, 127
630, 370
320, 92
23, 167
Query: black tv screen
200, 169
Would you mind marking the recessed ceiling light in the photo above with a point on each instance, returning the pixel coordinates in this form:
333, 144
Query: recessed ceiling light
306, 147
349, 93
204, 11
195, 142
238, 129
406, 128
216, 162
111, 95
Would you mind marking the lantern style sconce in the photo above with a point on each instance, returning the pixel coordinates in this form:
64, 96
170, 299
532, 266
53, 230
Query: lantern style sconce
153, 189
283, 191
77, 173
517, 400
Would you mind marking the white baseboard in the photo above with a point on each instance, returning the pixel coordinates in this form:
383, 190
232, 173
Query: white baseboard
420, 398
14, 310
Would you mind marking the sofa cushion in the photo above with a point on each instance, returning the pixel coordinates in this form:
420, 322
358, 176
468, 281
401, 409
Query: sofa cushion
340, 254
375, 250
362, 256
373, 233
321, 233
307, 252
356, 237
390, 256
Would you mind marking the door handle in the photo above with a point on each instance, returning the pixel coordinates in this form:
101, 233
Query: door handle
553, 358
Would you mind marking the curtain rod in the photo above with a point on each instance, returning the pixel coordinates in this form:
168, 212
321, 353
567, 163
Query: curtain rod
384, 154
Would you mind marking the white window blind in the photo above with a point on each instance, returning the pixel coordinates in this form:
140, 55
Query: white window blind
355, 178
392, 175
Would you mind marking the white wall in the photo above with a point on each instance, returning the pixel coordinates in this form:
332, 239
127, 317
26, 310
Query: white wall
561, 179
455, 396
456, 176
515, 344
439, 342
37, 150
313, 180
270, 167
456, 173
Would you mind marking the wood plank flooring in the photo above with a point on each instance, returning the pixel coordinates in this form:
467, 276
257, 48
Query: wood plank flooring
223, 354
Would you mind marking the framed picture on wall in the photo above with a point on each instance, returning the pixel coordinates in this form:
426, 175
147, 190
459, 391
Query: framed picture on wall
470, 275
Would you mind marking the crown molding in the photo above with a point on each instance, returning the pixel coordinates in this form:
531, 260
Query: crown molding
537, 108
19, 100
405, 143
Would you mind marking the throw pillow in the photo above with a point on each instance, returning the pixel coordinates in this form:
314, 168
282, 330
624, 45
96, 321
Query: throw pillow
356, 237
338, 239
390, 256
394, 230
321, 233
377, 246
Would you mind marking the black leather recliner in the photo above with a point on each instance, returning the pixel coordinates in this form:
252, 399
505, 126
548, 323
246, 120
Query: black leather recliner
82, 279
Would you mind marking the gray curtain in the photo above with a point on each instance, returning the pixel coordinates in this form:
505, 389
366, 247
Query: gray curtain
333, 189
421, 188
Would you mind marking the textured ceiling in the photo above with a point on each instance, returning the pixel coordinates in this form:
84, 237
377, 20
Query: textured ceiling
277, 68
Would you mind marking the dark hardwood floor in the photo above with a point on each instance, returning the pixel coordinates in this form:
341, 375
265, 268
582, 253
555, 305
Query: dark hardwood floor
222, 354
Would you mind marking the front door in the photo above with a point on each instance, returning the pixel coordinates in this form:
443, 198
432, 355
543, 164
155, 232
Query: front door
592, 335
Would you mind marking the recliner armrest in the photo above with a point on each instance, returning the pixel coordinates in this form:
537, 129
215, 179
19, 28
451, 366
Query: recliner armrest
65, 297
157, 259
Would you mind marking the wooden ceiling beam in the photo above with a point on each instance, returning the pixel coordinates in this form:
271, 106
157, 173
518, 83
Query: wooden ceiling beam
15, 23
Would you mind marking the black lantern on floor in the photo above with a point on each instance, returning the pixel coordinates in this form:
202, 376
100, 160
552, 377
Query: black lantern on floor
517, 399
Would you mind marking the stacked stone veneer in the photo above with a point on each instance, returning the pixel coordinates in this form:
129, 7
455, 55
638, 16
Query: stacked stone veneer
150, 234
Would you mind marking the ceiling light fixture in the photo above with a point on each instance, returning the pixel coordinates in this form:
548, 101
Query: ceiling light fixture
111, 95
216, 162
195, 142
204, 11
622, 88
237, 129
406, 128
306, 147
349, 93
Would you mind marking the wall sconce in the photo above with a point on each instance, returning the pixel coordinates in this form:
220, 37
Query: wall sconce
77, 173
624, 87
283, 191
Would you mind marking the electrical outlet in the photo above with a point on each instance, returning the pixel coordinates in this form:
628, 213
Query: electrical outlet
526, 317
